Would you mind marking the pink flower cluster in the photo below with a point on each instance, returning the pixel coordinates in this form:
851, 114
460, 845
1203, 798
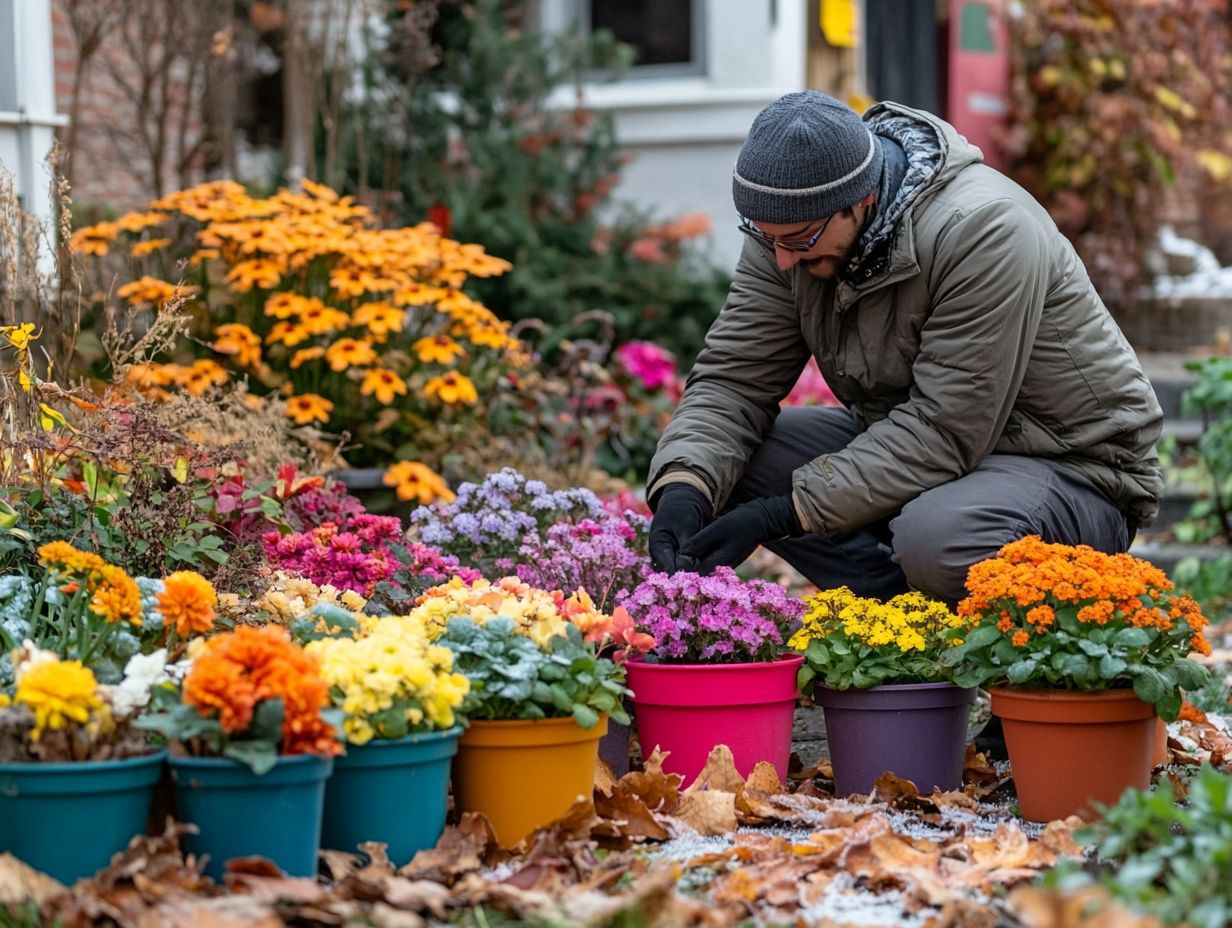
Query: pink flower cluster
811, 389
350, 560
652, 366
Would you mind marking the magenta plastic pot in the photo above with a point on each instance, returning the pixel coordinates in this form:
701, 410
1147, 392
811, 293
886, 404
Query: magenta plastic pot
917, 731
687, 709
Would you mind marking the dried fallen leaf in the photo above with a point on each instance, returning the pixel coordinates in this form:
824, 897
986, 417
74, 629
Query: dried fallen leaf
764, 779
1090, 907
21, 883
708, 811
626, 817
719, 773
461, 849
658, 790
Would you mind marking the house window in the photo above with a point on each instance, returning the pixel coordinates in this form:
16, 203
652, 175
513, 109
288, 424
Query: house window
667, 34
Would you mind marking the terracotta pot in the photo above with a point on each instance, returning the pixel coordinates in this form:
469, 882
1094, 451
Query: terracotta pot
1068, 749
1159, 752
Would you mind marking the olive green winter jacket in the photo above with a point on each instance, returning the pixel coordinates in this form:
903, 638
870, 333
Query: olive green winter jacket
973, 329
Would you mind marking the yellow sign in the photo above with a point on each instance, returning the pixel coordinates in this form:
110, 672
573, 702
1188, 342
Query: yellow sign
840, 22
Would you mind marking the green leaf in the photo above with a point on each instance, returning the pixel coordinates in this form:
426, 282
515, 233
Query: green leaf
982, 637
1191, 675
1149, 685
1131, 638
1111, 667
585, 716
1021, 671
1169, 705
267, 720
258, 756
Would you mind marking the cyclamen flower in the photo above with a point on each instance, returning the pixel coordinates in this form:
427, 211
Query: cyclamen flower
718, 618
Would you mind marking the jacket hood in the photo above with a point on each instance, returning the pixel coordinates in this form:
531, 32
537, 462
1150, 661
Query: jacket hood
935, 152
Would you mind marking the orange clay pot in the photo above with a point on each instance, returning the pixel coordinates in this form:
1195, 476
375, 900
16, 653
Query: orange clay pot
1068, 748
525, 773
1159, 753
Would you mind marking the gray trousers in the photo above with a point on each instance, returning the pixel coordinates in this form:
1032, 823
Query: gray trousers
931, 542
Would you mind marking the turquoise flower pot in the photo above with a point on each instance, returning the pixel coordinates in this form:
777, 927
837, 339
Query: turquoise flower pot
69, 819
276, 815
395, 792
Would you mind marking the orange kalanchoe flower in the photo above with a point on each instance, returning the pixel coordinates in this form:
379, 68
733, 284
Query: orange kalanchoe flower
188, 602
238, 670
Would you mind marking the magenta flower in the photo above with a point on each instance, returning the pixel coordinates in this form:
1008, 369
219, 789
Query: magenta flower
654, 367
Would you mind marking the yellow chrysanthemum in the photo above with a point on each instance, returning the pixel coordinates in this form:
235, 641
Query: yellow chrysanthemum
58, 692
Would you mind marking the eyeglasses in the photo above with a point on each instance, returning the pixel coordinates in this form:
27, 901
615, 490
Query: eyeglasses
771, 242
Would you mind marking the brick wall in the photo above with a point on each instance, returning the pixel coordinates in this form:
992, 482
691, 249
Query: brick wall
112, 168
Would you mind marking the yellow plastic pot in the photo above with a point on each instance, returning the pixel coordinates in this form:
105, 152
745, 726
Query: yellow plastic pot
523, 773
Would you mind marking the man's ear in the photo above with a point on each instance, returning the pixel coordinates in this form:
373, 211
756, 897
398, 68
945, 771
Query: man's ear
868, 200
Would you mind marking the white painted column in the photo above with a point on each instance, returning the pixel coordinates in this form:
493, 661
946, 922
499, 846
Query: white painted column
28, 117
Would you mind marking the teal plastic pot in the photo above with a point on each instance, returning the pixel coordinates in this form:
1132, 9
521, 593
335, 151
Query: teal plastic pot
276, 815
395, 792
69, 819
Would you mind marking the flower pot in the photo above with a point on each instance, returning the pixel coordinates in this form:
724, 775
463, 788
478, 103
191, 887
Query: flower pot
395, 792
367, 484
1068, 749
1159, 749
687, 709
276, 815
917, 731
69, 819
525, 773
614, 748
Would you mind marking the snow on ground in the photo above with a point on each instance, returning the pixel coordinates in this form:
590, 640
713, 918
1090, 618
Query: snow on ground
1208, 279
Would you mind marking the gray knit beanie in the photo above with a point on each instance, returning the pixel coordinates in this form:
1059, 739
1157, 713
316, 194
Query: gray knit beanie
807, 156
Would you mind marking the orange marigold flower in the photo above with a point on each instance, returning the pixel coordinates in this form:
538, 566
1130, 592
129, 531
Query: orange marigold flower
452, 388
238, 670
383, 384
309, 407
62, 555
188, 602
1021, 637
416, 481
117, 597
1005, 623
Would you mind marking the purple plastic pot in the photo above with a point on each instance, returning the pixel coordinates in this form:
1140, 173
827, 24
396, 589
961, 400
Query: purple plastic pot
918, 731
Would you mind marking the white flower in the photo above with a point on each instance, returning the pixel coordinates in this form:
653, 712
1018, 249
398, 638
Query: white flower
142, 672
30, 655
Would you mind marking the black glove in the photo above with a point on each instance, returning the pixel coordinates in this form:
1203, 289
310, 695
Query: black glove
680, 512
733, 536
